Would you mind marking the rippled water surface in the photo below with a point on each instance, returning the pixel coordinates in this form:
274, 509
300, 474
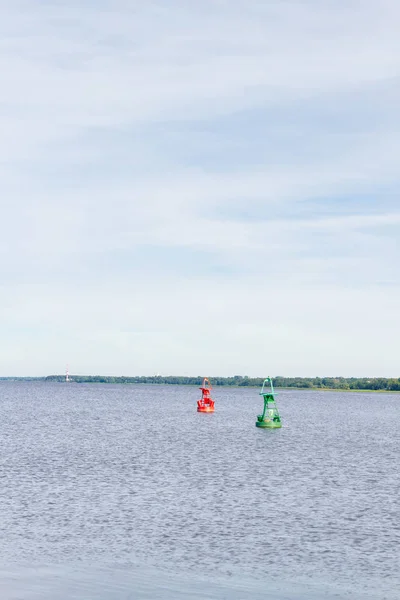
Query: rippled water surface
113, 492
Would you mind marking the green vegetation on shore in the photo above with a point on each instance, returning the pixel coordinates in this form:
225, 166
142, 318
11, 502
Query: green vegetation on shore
316, 383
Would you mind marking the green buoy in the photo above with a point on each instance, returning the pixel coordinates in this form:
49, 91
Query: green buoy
270, 418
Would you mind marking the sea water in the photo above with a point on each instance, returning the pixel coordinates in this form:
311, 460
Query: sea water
125, 491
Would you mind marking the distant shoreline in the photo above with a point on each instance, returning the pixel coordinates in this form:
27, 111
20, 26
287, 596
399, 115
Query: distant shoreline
317, 384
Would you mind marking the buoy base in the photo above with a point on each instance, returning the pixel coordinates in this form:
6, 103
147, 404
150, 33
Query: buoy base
205, 409
268, 423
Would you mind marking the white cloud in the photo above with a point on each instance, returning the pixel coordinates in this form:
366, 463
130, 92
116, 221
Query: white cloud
261, 138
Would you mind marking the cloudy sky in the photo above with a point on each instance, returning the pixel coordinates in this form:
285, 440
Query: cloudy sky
200, 187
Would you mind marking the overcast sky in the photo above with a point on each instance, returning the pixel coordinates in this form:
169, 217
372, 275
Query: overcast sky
200, 187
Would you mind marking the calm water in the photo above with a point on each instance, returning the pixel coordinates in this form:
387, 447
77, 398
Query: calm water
117, 492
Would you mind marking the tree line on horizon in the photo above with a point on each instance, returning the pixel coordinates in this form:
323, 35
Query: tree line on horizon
335, 383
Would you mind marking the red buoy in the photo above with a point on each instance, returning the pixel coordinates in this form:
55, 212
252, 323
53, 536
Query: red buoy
206, 403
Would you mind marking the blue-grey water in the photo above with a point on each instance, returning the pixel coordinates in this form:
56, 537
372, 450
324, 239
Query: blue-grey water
113, 492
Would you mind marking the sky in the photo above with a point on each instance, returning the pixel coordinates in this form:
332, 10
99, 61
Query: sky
200, 188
